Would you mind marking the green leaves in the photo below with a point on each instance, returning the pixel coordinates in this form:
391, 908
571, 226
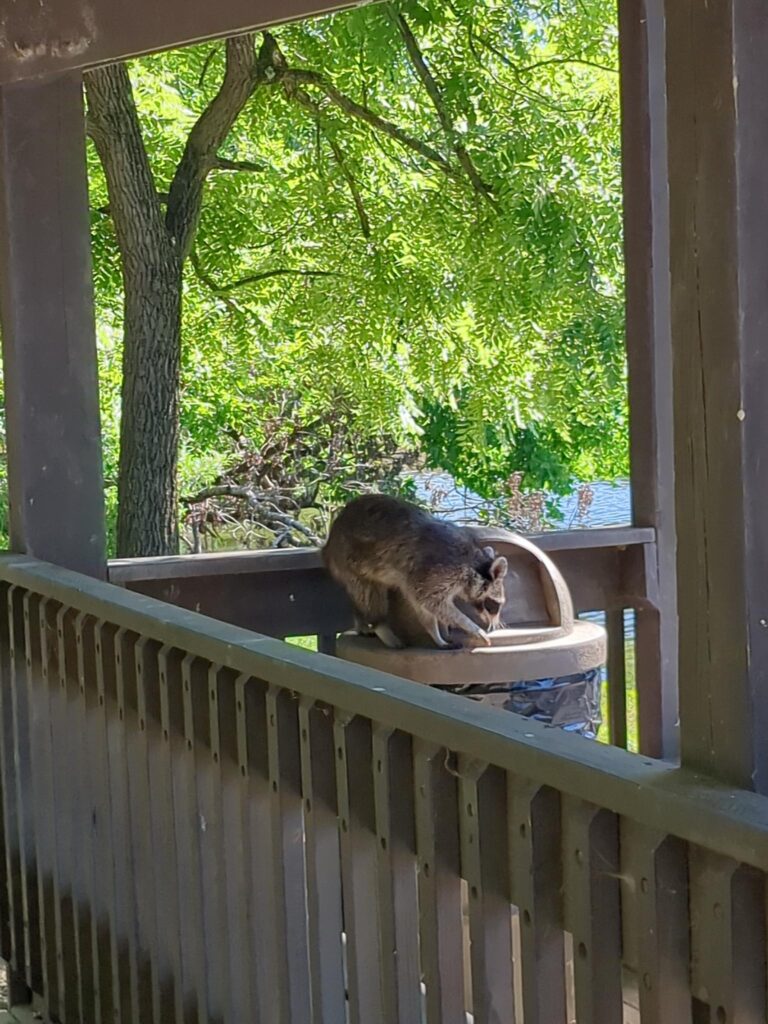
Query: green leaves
487, 336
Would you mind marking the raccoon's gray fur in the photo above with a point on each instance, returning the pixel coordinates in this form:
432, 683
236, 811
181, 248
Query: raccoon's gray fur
378, 544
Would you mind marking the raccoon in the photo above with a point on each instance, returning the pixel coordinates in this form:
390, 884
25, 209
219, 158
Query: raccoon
378, 544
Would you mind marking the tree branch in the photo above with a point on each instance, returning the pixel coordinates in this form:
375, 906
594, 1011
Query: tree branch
242, 282
294, 77
221, 164
113, 124
265, 510
433, 90
244, 72
357, 199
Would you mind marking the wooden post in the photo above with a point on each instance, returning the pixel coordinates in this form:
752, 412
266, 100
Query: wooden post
718, 140
46, 310
649, 355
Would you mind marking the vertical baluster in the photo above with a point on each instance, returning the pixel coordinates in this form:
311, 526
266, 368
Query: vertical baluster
397, 878
96, 1001
205, 751
166, 840
439, 885
592, 909
45, 830
137, 656
617, 678
484, 861
113, 942
324, 917
287, 836
19, 664
535, 843
125, 956
14, 951
238, 904
655, 920
354, 786
65, 742
154, 709
728, 947
193, 674
270, 954
29, 776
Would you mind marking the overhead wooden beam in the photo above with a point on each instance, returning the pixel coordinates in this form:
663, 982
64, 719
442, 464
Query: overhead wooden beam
718, 141
49, 343
62, 35
649, 355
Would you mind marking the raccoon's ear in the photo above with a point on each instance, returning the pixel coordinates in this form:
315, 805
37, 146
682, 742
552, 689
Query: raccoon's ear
499, 568
489, 553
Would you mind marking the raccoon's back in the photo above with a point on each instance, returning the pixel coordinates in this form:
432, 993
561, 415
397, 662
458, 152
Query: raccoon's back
376, 532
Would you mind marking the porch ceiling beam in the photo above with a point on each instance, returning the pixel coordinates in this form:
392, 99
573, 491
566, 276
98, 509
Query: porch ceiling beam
61, 35
718, 140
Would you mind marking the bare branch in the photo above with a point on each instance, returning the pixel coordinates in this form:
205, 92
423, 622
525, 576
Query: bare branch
264, 509
294, 77
428, 81
243, 282
357, 199
221, 164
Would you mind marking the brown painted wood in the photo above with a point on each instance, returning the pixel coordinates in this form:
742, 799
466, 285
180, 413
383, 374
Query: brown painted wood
41, 39
649, 356
718, 136
46, 311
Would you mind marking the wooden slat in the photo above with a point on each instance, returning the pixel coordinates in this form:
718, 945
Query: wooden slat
484, 865
592, 911
728, 943
535, 844
270, 954
235, 853
439, 885
153, 690
45, 827
210, 808
188, 855
617, 679
354, 787
287, 839
97, 995
324, 916
398, 905
655, 919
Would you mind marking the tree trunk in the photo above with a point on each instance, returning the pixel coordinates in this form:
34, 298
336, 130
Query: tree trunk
147, 518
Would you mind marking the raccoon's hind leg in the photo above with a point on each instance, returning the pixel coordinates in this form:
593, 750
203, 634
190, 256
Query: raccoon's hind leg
371, 608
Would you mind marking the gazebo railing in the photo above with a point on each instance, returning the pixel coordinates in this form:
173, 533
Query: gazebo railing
288, 593
203, 824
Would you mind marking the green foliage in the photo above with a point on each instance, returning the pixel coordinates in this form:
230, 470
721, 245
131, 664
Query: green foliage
486, 334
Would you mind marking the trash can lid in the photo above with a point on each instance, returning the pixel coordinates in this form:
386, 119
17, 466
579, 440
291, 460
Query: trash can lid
582, 649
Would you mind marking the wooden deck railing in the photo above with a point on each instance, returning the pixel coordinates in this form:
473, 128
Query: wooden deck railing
205, 825
288, 593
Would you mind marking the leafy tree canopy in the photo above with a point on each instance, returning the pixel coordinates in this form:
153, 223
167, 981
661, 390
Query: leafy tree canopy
413, 230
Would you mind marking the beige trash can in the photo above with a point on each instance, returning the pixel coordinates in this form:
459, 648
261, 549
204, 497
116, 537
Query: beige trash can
544, 663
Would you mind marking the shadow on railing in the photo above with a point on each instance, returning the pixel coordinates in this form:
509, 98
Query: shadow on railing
202, 824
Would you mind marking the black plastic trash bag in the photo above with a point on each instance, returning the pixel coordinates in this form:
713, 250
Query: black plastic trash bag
570, 702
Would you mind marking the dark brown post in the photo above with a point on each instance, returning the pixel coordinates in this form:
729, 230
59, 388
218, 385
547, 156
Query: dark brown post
718, 141
46, 310
649, 354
